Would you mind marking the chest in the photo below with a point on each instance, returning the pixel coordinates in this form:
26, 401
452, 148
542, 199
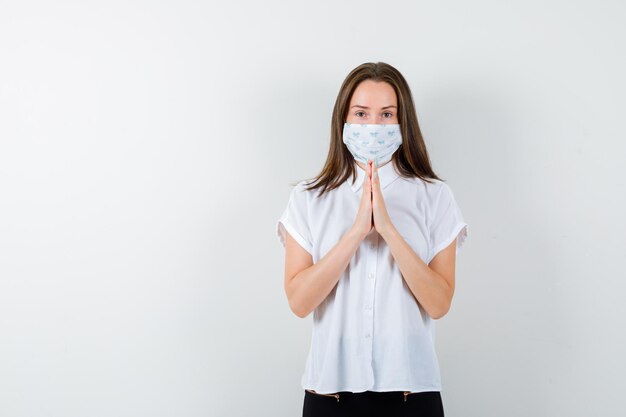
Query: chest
333, 215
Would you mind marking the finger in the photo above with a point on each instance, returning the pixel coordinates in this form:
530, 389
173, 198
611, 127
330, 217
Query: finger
375, 171
366, 188
375, 182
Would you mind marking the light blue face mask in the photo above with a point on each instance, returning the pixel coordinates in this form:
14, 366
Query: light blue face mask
371, 141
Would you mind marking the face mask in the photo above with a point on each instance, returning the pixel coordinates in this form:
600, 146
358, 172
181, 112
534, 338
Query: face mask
371, 141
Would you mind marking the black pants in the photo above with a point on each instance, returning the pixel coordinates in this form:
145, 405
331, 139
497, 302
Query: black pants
373, 404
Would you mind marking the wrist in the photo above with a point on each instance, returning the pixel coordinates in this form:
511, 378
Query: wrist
388, 231
357, 234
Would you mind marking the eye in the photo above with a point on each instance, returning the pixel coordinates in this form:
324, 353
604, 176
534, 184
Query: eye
390, 114
357, 113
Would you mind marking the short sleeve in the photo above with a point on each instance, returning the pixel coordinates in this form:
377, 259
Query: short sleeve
294, 220
447, 221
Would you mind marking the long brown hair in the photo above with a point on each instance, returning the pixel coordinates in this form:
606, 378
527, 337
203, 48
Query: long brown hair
410, 159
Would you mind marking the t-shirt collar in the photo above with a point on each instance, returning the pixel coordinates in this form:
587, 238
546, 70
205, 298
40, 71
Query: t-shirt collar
386, 173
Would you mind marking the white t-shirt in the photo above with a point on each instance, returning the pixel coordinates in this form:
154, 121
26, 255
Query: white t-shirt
370, 333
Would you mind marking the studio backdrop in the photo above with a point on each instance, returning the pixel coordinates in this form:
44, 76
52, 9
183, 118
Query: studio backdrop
147, 149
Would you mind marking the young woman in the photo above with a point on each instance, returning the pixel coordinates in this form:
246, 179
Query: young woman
370, 248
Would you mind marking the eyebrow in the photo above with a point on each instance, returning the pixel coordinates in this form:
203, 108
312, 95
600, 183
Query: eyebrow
363, 107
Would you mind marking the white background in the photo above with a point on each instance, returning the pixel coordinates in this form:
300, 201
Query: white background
146, 153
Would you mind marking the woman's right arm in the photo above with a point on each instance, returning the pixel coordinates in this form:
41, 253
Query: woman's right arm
308, 284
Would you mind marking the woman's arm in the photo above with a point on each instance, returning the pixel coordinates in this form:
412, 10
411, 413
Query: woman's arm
308, 284
432, 284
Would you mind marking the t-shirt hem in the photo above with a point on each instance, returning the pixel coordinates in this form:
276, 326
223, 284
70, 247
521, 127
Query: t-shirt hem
460, 231
294, 233
419, 388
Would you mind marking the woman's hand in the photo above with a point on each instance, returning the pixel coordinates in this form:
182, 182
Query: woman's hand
364, 218
382, 221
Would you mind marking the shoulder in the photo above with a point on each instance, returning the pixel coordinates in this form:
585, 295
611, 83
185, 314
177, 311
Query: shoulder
434, 193
300, 189
440, 196
430, 188
306, 190
301, 186
438, 187
300, 194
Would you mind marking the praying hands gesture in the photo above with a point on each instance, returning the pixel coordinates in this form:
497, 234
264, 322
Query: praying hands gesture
372, 211
432, 287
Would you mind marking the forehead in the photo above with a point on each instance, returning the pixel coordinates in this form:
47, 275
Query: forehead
371, 93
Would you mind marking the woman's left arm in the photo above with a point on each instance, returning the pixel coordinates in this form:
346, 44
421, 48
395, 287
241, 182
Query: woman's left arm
432, 285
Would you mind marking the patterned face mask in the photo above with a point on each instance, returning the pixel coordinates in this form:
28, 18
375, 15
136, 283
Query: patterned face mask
371, 141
